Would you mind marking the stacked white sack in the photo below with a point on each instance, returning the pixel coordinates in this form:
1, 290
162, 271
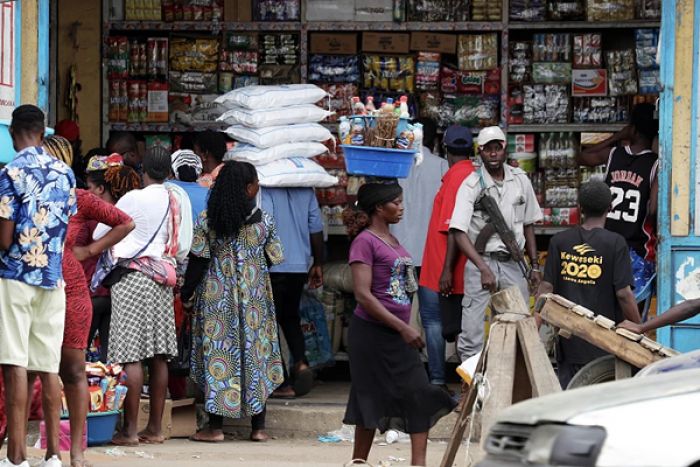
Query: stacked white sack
278, 131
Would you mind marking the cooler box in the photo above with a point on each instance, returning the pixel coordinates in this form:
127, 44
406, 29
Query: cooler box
378, 162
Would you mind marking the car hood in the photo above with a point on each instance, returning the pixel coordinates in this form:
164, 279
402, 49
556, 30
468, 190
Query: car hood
563, 406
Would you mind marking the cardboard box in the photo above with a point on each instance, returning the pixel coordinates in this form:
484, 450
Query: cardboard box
432, 42
330, 10
184, 418
238, 10
145, 410
386, 42
589, 83
374, 10
333, 44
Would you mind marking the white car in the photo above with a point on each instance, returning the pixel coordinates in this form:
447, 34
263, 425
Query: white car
643, 421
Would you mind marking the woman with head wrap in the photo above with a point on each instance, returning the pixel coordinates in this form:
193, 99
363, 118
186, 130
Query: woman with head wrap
390, 388
78, 304
187, 168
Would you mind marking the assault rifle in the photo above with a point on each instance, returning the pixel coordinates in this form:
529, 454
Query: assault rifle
496, 224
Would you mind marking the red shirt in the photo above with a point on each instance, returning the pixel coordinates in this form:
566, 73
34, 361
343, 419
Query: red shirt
436, 242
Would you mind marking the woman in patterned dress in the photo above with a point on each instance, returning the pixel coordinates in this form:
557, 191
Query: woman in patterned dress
236, 359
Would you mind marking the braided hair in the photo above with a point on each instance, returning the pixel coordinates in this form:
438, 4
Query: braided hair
229, 205
117, 180
60, 148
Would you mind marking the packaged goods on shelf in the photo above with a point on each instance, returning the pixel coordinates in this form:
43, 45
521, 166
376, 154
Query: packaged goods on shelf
375, 10
650, 81
261, 156
267, 117
277, 10
389, 73
622, 72
647, 43
561, 196
118, 110
192, 10
610, 10
269, 97
138, 59
159, 141
591, 83
157, 102
106, 388
193, 82
431, 10
239, 54
329, 10
545, 103
278, 75
194, 54
334, 68
428, 71
117, 57
516, 105
600, 109
528, 10
566, 10
558, 151
339, 99
520, 63
477, 111
521, 143
593, 173
551, 73
157, 57
192, 109
486, 10
137, 101
280, 49
272, 136
333, 214
477, 51
649, 9
560, 216
588, 51
294, 172
551, 47
429, 104
142, 10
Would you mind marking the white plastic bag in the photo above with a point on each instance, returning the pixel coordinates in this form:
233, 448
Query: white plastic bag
264, 118
275, 135
269, 97
261, 156
295, 172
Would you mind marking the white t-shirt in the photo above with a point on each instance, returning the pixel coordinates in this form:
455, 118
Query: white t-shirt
419, 191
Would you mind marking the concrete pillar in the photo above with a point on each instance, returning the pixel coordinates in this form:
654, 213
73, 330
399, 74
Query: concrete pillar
30, 51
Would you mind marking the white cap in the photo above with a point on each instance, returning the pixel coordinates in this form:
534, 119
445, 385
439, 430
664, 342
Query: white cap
491, 133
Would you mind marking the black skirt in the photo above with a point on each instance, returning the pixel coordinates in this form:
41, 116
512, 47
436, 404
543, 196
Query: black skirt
390, 388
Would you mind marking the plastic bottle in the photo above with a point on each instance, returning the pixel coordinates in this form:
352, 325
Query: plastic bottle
358, 108
403, 107
369, 106
388, 106
344, 130
418, 137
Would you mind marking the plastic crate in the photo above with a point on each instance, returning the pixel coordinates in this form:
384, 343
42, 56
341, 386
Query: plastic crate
378, 162
100, 427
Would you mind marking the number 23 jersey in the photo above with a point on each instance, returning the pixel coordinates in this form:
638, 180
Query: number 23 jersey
630, 178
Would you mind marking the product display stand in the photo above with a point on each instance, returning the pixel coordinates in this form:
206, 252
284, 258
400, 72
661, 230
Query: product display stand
513, 367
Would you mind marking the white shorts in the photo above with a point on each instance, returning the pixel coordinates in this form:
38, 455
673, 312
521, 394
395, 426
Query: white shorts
31, 326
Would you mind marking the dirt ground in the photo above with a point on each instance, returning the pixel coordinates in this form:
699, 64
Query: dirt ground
282, 453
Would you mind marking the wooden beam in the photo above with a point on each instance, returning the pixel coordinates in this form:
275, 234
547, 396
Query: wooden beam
559, 316
500, 372
542, 377
509, 300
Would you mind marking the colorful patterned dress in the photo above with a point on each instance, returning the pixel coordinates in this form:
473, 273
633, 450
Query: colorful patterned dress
236, 357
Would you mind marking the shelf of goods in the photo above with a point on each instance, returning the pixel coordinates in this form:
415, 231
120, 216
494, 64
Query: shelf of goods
553, 73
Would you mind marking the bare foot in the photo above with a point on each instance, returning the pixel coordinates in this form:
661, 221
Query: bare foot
259, 436
286, 392
121, 439
208, 436
147, 437
79, 463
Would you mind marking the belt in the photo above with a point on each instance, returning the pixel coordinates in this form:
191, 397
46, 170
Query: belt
500, 256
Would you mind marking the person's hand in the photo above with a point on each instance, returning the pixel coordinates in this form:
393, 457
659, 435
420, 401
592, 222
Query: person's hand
630, 326
535, 279
446, 282
488, 280
81, 253
412, 337
316, 276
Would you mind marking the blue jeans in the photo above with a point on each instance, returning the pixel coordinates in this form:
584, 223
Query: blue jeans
429, 304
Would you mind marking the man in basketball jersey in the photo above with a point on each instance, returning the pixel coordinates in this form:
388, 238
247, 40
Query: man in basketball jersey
631, 174
589, 265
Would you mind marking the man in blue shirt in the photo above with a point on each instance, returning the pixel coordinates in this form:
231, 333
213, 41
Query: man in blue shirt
37, 198
187, 167
300, 228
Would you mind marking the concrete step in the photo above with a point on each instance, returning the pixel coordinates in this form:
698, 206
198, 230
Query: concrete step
316, 414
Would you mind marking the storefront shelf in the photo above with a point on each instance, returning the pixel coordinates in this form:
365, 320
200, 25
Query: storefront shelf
583, 24
573, 127
164, 127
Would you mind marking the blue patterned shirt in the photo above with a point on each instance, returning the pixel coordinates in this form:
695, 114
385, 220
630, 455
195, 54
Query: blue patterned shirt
37, 193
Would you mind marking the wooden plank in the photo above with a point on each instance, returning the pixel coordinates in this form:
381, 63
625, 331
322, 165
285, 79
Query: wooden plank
500, 365
631, 352
622, 369
542, 377
463, 420
509, 300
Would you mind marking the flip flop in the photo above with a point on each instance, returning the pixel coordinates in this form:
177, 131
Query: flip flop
303, 382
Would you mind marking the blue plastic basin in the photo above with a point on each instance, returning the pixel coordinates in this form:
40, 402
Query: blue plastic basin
378, 162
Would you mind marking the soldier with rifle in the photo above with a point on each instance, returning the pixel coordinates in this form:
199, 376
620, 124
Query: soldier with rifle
492, 223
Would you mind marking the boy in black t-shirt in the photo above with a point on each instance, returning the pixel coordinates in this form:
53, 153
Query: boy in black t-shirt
589, 266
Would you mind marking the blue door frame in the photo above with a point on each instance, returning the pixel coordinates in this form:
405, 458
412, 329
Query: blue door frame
679, 247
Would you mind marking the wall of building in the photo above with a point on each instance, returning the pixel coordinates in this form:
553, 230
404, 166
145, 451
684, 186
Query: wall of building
83, 50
